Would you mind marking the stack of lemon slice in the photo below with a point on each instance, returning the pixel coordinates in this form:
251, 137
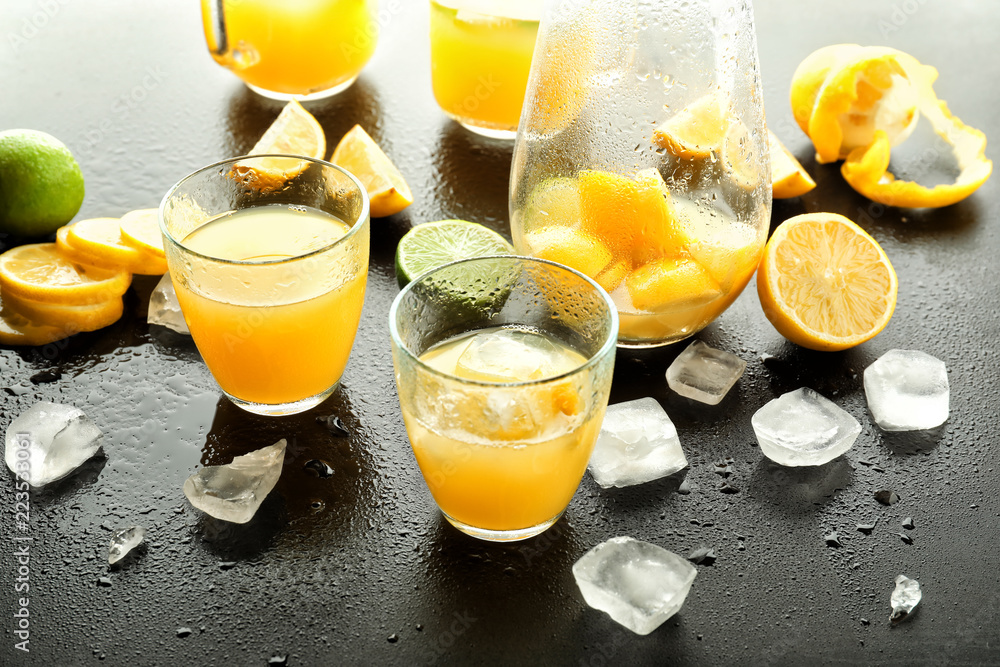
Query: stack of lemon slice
50, 291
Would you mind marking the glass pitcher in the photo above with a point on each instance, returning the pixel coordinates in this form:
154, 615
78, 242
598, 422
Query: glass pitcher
641, 157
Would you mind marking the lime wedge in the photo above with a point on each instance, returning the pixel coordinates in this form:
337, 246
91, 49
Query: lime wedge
431, 244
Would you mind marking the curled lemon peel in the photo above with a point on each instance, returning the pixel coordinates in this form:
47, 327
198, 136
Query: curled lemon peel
856, 102
842, 94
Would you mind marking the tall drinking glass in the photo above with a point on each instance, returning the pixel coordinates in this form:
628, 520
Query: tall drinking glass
303, 49
503, 367
641, 157
480, 57
269, 258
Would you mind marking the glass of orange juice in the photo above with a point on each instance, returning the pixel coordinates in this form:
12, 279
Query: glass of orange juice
503, 366
480, 56
302, 49
269, 258
642, 157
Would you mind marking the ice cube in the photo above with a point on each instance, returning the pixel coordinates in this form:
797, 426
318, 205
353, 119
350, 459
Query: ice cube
164, 308
904, 598
234, 491
637, 443
638, 584
49, 441
511, 355
704, 374
907, 390
123, 541
801, 428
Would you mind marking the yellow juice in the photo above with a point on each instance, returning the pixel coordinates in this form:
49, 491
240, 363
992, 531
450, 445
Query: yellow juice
504, 458
480, 61
273, 331
295, 47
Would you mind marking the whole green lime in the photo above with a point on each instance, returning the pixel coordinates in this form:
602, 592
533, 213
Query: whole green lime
41, 186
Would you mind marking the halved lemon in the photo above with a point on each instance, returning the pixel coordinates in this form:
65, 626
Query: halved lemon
141, 229
696, 130
100, 239
41, 272
387, 189
294, 132
824, 283
788, 178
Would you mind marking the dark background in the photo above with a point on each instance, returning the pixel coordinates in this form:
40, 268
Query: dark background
332, 570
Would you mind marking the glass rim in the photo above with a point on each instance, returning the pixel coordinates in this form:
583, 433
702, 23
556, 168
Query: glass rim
363, 216
609, 345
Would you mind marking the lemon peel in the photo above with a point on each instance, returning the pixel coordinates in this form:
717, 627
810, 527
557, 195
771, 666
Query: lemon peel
856, 102
867, 169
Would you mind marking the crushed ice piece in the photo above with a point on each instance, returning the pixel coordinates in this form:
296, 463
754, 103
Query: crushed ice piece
801, 428
123, 541
702, 556
704, 374
637, 443
832, 539
908, 523
638, 584
334, 425
46, 376
318, 468
48, 441
234, 491
887, 497
906, 538
904, 598
726, 487
907, 390
104, 581
867, 528
510, 355
184, 632
164, 308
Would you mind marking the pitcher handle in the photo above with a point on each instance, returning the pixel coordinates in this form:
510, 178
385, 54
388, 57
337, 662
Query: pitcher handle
214, 19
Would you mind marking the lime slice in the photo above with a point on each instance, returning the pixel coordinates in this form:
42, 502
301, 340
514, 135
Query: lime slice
432, 244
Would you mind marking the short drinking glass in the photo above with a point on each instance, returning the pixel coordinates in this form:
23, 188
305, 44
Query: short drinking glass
503, 367
306, 49
480, 57
269, 258
641, 158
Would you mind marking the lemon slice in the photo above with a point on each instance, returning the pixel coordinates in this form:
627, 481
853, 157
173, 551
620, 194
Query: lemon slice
824, 283
359, 154
696, 130
41, 272
788, 178
89, 317
294, 132
17, 329
575, 248
677, 283
100, 239
141, 229
632, 216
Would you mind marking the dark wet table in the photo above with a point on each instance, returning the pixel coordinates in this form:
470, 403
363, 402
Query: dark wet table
359, 568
